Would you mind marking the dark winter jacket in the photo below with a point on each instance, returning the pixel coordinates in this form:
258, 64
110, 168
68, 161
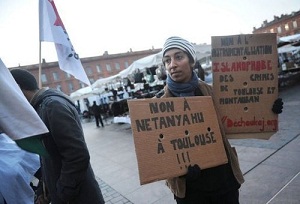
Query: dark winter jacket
66, 171
214, 180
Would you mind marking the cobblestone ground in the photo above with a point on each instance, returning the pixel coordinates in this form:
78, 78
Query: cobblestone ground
110, 195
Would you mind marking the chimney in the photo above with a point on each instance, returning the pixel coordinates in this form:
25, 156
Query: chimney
264, 23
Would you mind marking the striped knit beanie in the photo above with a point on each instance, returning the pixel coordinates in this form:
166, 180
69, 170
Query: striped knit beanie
180, 43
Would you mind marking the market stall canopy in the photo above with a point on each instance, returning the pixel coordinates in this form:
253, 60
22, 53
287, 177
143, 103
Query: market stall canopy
288, 48
86, 92
102, 82
154, 60
142, 64
291, 39
289, 43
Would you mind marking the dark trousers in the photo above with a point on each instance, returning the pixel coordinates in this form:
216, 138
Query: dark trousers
231, 197
98, 119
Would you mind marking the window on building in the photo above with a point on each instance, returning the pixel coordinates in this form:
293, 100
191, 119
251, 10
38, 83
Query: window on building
99, 69
58, 87
55, 76
108, 67
272, 30
295, 24
44, 78
279, 30
286, 27
67, 75
81, 85
71, 87
126, 65
89, 71
117, 65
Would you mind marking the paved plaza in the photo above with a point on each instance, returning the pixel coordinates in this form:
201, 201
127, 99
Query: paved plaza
271, 167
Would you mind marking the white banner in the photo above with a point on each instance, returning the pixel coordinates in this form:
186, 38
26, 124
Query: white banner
18, 119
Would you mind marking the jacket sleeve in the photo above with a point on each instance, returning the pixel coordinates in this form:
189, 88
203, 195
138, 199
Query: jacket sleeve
66, 131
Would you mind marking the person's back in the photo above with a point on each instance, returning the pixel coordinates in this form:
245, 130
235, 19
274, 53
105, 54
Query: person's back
96, 109
52, 105
97, 114
67, 171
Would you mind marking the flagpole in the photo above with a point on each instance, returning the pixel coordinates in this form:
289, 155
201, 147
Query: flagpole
40, 66
40, 49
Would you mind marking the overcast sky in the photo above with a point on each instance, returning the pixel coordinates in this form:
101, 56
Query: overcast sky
96, 26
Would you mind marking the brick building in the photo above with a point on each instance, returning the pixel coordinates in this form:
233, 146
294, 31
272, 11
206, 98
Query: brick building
95, 67
285, 25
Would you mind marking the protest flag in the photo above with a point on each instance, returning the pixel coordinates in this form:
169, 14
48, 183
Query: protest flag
52, 29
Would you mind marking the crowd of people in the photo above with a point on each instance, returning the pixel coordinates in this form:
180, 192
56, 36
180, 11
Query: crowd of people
66, 173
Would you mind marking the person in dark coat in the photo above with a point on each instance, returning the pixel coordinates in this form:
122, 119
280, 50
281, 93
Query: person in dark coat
66, 169
97, 114
214, 185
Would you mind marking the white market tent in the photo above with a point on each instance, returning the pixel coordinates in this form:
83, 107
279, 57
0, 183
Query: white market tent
144, 63
86, 92
288, 48
141, 64
156, 60
288, 43
202, 51
288, 39
101, 82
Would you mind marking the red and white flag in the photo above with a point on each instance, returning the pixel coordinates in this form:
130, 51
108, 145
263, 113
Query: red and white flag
52, 29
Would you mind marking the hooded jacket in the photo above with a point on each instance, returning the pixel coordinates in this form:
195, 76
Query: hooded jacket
66, 171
